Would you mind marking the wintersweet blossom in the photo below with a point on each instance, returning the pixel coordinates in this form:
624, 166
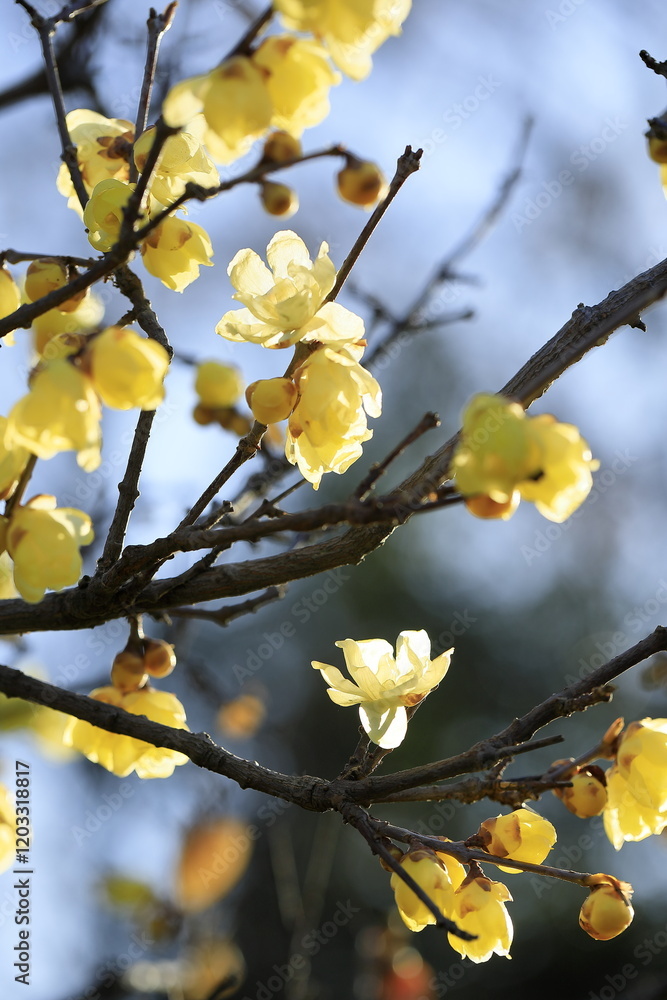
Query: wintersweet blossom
10, 296
642, 760
175, 250
126, 369
123, 754
44, 541
479, 908
624, 816
328, 426
103, 214
382, 685
505, 455
13, 459
607, 911
7, 830
352, 30
521, 834
57, 334
103, 147
298, 79
182, 160
218, 385
235, 103
61, 412
439, 877
285, 304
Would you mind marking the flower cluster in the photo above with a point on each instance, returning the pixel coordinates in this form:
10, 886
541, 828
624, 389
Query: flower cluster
384, 686
505, 456
637, 783
130, 690
326, 399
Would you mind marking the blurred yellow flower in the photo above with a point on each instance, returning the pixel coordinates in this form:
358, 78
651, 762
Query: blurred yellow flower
298, 78
46, 275
7, 588
328, 426
607, 911
352, 30
438, 880
103, 214
61, 412
503, 455
383, 685
7, 830
479, 908
218, 385
10, 296
235, 103
521, 834
44, 542
57, 334
103, 147
123, 754
13, 459
126, 369
175, 251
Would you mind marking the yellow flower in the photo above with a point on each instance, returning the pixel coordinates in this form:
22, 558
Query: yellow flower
61, 412
7, 588
284, 305
103, 215
326, 430
437, 879
7, 830
642, 760
352, 30
126, 369
103, 147
13, 459
521, 834
479, 908
123, 754
271, 399
606, 912
625, 818
44, 541
57, 334
299, 78
587, 795
10, 296
503, 455
183, 159
235, 103
382, 685
218, 385
361, 182
174, 252
44, 276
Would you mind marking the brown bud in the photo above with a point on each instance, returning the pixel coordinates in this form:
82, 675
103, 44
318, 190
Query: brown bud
281, 147
159, 657
128, 672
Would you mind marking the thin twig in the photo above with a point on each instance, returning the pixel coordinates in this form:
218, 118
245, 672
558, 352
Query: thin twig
378, 469
21, 486
244, 44
157, 25
223, 616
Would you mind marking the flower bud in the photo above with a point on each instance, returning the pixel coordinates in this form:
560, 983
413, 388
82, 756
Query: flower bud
271, 399
361, 183
218, 385
278, 199
128, 672
432, 876
44, 276
607, 911
587, 795
522, 835
281, 146
231, 420
159, 657
485, 507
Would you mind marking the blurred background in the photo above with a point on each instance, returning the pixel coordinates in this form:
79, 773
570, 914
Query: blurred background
304, 911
